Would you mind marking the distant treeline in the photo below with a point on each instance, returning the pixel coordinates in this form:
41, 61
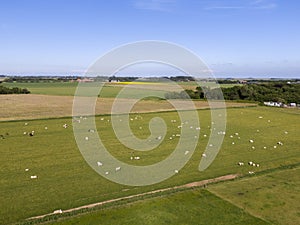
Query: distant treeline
14, 90
39, 79
271, 91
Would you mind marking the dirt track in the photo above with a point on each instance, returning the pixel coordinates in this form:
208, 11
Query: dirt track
189, 185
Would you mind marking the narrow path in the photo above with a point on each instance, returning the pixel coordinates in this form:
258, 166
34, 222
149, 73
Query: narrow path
189, 185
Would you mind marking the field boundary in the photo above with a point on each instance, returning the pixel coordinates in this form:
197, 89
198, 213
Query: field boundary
145, 194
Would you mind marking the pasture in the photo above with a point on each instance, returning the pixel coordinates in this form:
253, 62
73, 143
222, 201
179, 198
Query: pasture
189, 207
110, 90
64, 180
272, 196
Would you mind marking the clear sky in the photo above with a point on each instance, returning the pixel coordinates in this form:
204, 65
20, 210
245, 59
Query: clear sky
236, 38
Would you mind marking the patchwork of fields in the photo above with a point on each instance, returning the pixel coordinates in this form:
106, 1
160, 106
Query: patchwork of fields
267, 193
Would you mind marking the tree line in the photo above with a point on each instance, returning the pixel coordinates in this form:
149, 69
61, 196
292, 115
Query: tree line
261, 92
13, 90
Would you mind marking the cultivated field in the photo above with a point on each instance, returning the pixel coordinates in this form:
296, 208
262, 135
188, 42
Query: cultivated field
66, 181
110, 90
16, 107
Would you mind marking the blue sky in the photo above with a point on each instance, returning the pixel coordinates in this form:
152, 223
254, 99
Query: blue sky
236, 38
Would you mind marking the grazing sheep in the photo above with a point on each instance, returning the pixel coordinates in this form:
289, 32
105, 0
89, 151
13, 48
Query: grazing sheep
106, 173
257, 165
99, 164
176, 171
26, 169
204, 155
118, 169
253, 147
186, 152
137, 158
251, 172
240, 163
33, 177
31, 133
86, 138
57, 211
204, 135
91, 130
65, 126
236, 134
251, 141
232, 143
250, 163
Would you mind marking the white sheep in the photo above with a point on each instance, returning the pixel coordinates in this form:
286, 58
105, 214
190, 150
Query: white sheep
33, 177
99, 163
186, 152
57, 211
204, 155
118, 169
251, 141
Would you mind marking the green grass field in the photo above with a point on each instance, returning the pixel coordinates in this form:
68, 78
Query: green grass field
66, 181
189, 207
273, 197
108, 91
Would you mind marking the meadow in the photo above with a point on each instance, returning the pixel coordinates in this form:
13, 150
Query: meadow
110, 90
66, 181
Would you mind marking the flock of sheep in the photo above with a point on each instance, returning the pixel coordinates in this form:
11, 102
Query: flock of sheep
180, 126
